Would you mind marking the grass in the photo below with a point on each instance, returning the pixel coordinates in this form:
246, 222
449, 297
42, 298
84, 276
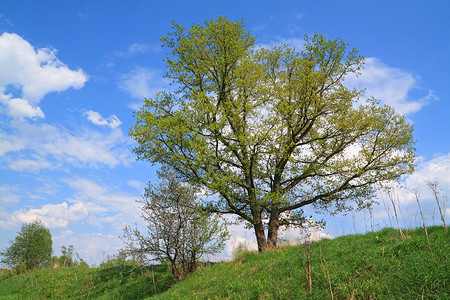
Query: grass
114, 282
376, 265
372, 266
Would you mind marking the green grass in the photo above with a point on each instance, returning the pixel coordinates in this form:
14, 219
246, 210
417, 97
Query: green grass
372, 266
116, 282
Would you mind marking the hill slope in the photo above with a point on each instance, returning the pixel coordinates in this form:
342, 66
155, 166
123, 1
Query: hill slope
105, 282
372, 266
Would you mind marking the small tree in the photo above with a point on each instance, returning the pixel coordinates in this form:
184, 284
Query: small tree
179, 231
434, 187
32, 247
66, 259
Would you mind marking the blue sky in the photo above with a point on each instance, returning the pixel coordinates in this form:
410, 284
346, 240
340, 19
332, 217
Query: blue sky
72, 72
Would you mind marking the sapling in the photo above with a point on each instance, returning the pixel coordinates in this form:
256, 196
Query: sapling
387, 211
307, 264
434, 187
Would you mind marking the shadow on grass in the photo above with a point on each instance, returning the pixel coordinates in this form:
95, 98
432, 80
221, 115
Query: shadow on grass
130, 282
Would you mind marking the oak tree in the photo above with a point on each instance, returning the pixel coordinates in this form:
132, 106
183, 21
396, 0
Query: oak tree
270, 131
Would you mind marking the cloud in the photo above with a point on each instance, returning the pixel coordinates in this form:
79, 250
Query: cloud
392, 86
89, 202
437, 168
19, 108
8, 194
136, 184
7, 21
30, 165
119, 204
26, 76
112, 121
143, 83
297, 43
33, 74
434, 170
238, 241
54, 215
10, 143
134, 49
82, 148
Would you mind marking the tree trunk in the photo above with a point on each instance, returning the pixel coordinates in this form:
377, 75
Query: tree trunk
272, 235
175, 272
260, 236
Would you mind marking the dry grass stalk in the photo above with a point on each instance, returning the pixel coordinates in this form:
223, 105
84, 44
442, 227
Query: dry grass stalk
371, 218
416, 195
354, 221
387, 210
328, 274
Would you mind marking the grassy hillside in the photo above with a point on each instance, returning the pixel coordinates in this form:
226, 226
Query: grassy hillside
373, 266
113, 282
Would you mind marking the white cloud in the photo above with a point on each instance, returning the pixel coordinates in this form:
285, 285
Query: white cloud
19, 108
239, 241
10, 143
297, 43
53, 215
96, 204
136, 184
8, 194
7, 21
391, 85
84, 148
143, 83
434, 170
33, 73
121, 205
112, 121
30, 165
134, 49
437, 168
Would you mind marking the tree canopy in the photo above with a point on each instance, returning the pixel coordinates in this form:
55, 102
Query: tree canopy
32, 247
270, 131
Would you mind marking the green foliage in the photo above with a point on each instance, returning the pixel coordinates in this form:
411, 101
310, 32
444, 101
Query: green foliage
376, 265
32, 248
270, 130
67, 258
